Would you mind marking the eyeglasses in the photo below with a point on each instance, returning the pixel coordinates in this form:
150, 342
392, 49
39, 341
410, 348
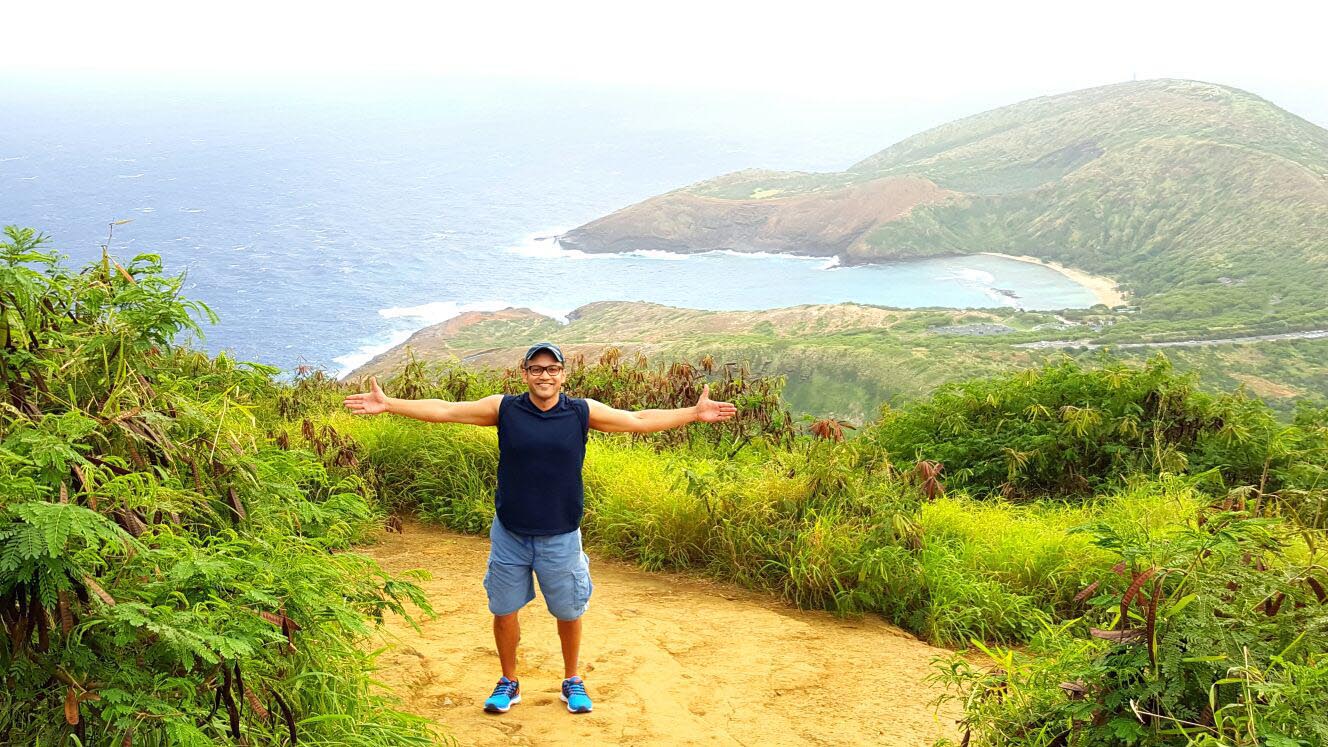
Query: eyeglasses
537, 370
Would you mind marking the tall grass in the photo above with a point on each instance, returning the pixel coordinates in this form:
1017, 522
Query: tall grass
966, 568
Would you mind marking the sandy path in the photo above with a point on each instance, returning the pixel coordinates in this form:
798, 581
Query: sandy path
669, 659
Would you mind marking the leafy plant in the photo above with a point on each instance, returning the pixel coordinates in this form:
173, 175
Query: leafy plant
167, 574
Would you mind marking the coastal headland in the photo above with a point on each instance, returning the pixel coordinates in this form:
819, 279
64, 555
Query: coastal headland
1192, 211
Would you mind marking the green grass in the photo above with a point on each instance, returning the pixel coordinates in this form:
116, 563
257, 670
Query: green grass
989, 571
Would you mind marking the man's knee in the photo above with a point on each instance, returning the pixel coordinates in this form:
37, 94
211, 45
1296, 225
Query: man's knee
568, 599
509, 588
567, 612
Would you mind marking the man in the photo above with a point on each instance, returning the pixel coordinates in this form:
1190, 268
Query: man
539, 500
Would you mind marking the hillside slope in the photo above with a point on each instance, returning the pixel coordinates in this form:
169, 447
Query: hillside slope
1204, 201
848, 359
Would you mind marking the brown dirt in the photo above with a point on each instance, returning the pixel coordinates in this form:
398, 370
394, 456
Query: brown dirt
669, 659
821, 223
1265, 388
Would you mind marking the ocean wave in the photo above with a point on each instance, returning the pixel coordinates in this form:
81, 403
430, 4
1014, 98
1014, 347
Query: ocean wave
768, 255
129, 176
656, 254
367, 352
544, 245
147, 210
969, 276
436, 312
12, 158
193, 210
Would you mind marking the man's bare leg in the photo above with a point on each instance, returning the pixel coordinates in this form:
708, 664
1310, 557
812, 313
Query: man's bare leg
569, 632
507, 634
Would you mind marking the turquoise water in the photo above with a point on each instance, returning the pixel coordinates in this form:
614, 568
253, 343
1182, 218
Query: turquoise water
324, 226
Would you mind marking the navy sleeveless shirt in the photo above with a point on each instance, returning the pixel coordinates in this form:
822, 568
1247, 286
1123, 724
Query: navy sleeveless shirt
540, 455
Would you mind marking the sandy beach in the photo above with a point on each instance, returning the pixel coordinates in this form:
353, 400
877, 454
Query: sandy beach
1104, 288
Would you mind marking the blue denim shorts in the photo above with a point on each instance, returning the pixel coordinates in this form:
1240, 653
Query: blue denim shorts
557, 559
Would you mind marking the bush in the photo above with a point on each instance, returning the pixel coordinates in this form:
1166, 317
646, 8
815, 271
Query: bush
168, 575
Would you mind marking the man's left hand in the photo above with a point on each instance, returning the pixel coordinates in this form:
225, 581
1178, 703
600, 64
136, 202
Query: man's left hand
710, 411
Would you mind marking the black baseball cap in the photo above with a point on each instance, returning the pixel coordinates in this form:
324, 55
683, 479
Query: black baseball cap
543, 346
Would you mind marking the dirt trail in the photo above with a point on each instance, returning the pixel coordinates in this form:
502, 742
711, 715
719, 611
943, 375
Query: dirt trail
669, 659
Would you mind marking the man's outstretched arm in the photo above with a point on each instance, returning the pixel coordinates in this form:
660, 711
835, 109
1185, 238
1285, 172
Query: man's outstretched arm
483, 411
613, 420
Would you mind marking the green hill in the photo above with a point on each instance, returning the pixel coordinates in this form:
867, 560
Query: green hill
1207, 203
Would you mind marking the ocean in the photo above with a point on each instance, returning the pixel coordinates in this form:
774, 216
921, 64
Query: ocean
324, 221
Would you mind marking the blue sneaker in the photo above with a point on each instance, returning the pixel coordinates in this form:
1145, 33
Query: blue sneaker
574, 695
506, 694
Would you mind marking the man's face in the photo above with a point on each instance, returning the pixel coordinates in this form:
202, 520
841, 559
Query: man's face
544, 383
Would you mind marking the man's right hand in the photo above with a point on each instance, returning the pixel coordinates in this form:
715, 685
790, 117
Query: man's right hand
371, 402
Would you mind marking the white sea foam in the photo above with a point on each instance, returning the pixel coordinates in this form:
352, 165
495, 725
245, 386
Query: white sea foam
26, 178
436, 312
770, 255
544, 245
656, 254
369, 351
974, 277
147, 210
12, 158
129, 176
193, 210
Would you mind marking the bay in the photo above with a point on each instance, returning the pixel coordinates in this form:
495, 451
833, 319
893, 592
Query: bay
324, 221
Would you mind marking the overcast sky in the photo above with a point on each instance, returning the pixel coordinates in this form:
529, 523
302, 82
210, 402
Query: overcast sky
823, 49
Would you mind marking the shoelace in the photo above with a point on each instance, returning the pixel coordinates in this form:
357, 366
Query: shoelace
505, 688
575, 688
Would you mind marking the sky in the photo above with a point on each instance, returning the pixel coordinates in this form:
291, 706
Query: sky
827, 50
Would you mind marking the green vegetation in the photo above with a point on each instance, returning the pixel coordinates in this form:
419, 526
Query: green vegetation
1068, 431
1206, 203
1140, 560
849, 359
1208, 634
169, 575
1144, 545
